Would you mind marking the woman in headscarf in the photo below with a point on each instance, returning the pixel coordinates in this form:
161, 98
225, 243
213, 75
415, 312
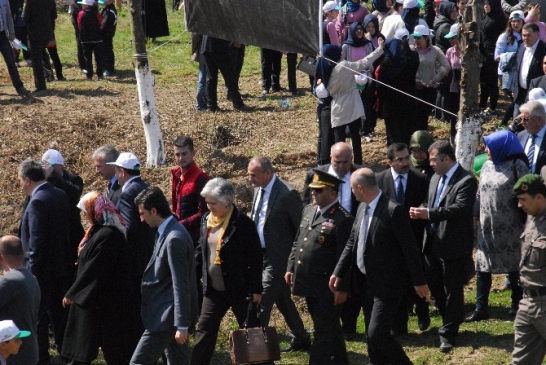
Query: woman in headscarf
447, 15
351, 12
500, 226
398, 69
381, 10
229, 263
347, 108
492, 24
100, 298
410, 15
371, 26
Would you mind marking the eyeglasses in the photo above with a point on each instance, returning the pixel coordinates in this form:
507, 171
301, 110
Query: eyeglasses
526, 119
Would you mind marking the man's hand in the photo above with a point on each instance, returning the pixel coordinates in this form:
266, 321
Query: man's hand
11, 37
422, 291
340, 297
67, 302
256, 298
288, 278
181, 336
418, 213
334, 281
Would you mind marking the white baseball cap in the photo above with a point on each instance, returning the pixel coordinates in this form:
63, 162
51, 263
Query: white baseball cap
453, 31
53, 157
536, 94
126, 160
87, 2
329, 6
409, 4
9, 331
421, 30
401, 33
518, 14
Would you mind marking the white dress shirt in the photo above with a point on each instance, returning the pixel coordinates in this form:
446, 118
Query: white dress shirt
526, 63
261, 215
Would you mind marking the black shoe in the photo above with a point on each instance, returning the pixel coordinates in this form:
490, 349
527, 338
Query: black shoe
213, 109
61, 78
297, 347
277, 89
399, 332
424, 323
243, 108
512, 312
477, 316
446, 344
350, 336
22, 91
39, 90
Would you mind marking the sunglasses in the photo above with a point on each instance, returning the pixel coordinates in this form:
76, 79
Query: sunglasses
317, 190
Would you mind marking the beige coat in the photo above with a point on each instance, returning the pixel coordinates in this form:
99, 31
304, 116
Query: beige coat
346, 104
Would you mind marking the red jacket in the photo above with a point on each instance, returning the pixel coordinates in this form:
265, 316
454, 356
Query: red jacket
188, 205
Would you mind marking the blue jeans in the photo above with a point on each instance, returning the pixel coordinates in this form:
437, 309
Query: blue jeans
201, 96
483, 287
7, 53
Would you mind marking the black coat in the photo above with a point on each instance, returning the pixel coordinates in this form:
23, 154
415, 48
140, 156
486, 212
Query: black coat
40, 15
535, 68
154, 18
101, 297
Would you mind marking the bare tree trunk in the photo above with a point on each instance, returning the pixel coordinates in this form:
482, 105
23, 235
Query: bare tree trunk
469, 128
155, 148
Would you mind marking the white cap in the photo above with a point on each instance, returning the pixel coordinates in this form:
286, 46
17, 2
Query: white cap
410, 4
329, 6
518, 14
126, 160
53, 157
536, 94
453, 31
87, 2
401, 33
421, 30
9, 331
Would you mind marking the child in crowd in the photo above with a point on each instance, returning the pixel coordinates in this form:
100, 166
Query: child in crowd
453, 55
10, 339
108, 30
532, 15
89, 23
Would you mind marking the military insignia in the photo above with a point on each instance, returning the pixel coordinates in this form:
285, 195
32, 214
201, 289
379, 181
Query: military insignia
320, 240
328, 224
524, 187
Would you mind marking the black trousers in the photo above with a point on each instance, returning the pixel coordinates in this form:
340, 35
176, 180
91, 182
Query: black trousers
410, 298
214, 308
108, 58
326, 133
90, 50
328, 341
354, 130
291, 63
81, 60
37, 56
225, 63
350, 311
52, 52
271, 69
422, 112
489, 83
446, 280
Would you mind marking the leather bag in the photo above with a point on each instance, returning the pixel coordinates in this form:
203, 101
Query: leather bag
307, 64
254, 345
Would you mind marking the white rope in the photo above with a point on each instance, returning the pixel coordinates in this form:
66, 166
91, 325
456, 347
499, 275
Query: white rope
393, 88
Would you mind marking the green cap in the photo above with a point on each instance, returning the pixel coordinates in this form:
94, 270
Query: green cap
530, 184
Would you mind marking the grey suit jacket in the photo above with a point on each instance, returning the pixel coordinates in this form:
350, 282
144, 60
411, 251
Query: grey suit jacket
169, 291
282, 220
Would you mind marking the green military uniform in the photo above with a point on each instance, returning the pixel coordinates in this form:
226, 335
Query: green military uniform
530, 322
318, 246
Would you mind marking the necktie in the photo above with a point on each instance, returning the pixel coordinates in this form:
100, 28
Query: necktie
363, 233
317, 215
340, 193
258, 208
440, 191
400, 190
531, 152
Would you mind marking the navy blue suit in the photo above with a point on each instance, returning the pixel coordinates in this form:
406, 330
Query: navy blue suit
45, 233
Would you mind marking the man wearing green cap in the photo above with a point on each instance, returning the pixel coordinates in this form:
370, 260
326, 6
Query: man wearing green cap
529, 325
321, 238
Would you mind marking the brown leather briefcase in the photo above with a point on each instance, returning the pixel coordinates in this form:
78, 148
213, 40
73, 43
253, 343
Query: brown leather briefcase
254, 345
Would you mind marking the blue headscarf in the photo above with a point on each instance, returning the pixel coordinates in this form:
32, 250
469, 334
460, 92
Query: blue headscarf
373, 19
352, 39
446, 8
380, 6
325, 67
353, 6
395, 56
503, 146
410, 18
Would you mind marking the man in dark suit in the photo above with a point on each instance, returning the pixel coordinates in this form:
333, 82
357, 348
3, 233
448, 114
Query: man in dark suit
45, 233
405, 185
341, 165
529, 60
380, 252
323, 233
169, 291
101, 157
449, 236
541, 80
277, 213
532, 138
140, 236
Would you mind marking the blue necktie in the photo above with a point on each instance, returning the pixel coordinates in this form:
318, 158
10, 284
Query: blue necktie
531, 152
400, 190
440, 191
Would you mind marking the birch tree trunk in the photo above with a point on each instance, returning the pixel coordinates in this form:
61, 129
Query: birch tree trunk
469, 128
155, 148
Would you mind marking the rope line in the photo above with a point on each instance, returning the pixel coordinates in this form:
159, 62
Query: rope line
391, 87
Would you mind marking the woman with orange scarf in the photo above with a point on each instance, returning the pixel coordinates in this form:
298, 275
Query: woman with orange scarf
229, 261
99, 299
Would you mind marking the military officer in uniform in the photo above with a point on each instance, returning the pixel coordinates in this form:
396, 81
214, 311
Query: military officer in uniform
321, 238
529, 325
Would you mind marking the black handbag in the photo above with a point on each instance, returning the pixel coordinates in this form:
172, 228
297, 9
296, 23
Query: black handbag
308, 64
254, 345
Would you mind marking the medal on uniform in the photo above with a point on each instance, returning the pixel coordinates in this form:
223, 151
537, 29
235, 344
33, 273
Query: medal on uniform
320, 240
